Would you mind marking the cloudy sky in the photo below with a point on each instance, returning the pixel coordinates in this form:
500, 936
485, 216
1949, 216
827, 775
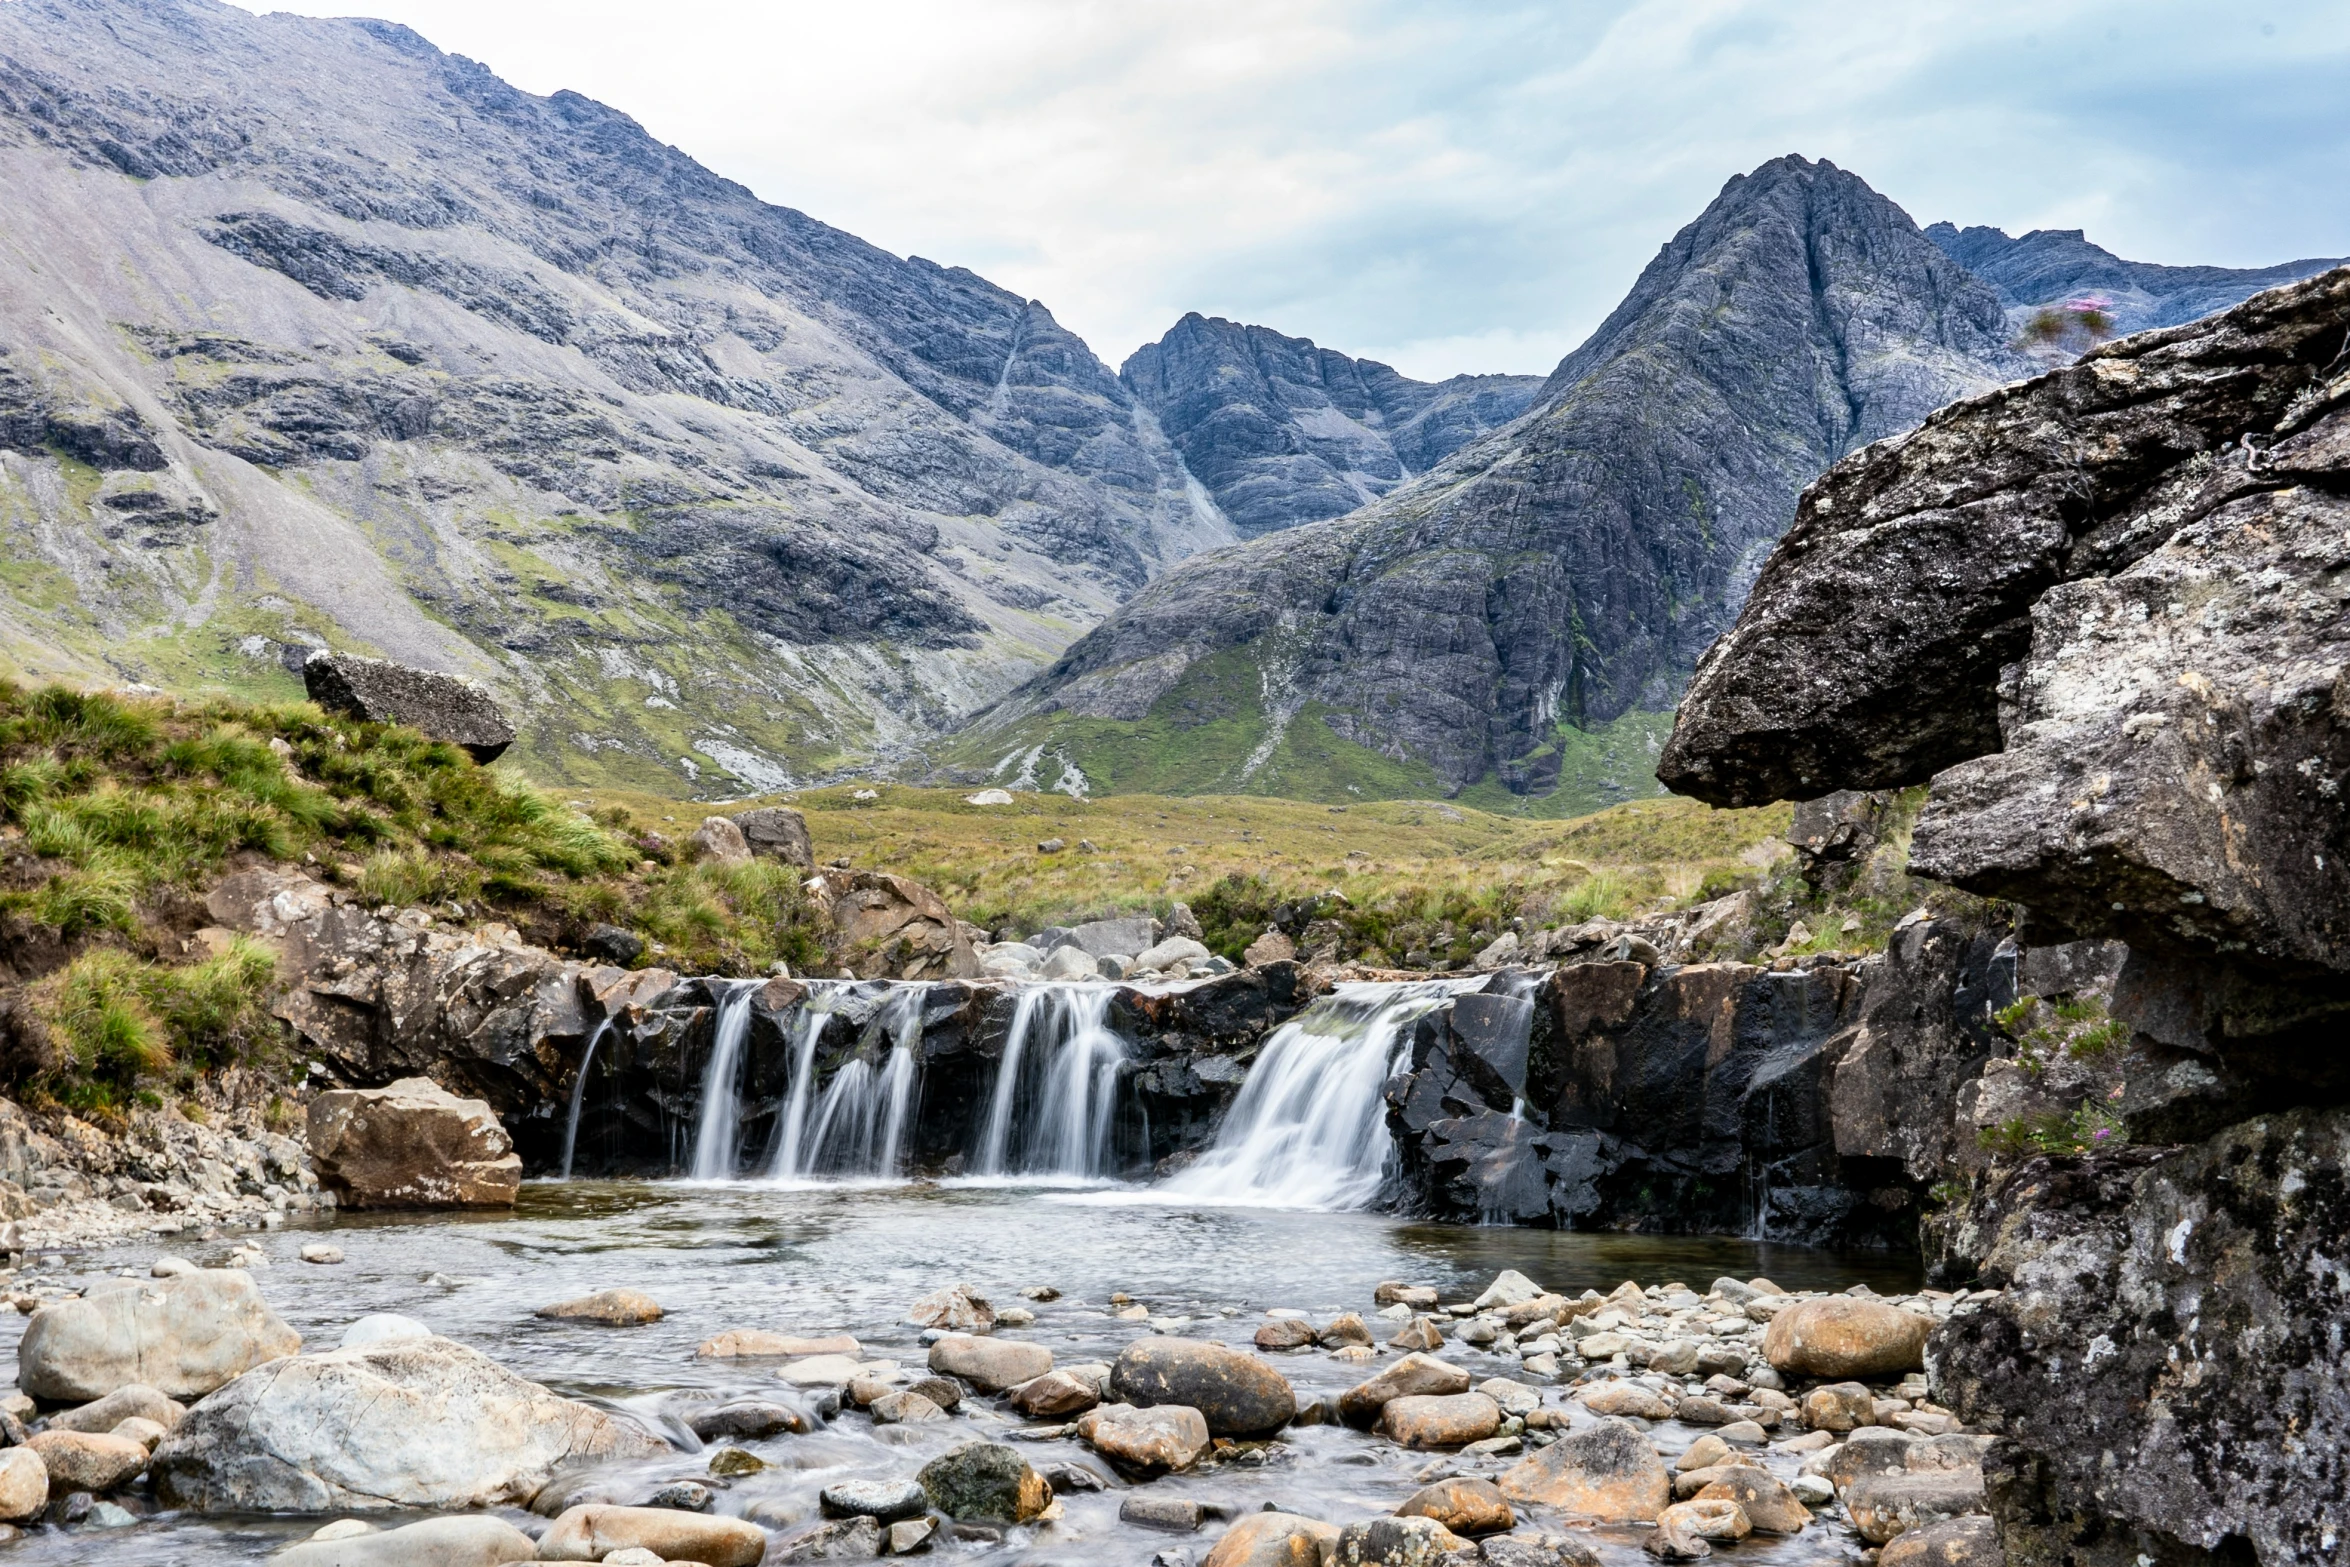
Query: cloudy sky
1448, 185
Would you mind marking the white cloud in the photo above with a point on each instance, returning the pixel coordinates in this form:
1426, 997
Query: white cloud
1448, 186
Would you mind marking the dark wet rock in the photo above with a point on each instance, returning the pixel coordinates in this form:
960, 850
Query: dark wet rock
985, 1482
748, 1420
777, 832
612, 944
2177, 1309
1238, 1394
383, 692
887, 1500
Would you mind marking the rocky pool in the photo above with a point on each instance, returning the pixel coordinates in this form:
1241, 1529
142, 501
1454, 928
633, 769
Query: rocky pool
848, 1259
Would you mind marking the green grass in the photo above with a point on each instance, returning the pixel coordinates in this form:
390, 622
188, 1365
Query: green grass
115, 1021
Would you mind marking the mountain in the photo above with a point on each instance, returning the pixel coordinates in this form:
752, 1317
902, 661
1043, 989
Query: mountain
2049, 266
1511, 625
313, 334
1280, 431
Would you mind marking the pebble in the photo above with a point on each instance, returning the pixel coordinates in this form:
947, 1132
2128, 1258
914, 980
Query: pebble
319, 1252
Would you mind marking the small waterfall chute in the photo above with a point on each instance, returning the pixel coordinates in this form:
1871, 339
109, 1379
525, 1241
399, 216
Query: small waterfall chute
1309, 1129
1055, 1100
855, 1129
587, 1058
718, 1127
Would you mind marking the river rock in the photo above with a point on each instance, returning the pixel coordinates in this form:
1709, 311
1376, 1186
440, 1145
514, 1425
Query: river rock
1395, 1542
88, 1460
758, 1344
1840, 1406
887, 1500
134, 1399
183, 1336
1515, 1398
24, 1484
1870, 1450
1620, 1397
1236, 1393
609, 1308
842, 1540
1055, 1395
379, 691
746, 1419
1394, 1292
954, 1309
777, 832
1286, 1333
412, 1145
1412, 1376
1509, 1288
1175, 949
1606, 1471
436, 1542
145, 1432
1165, 1437
908, 1535
379, 1327
1894, 1501
985, 1482
1175, 1514
1715, 1521
409, 1423
906, 1407
593, 1532
1465, 1506
1274, 1540
1768, 1504
1843, 1336
1955, 1542
831, 1371
1345, 1328
1443, 1420
729, 1463
990, 1364
1421, 1333
1550, 1550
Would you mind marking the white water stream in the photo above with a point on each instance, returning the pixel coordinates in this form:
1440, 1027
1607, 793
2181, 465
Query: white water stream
1056, 1089
859, 1128
718, 1128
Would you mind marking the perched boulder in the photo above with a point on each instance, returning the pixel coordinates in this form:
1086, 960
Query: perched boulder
1237, 1394
1274, 1540
899, 929
406, 1423
90, 1461
1450, 1420
1111, 938
776, 832
591, 1533
1845, 1336
990, 1364
1155, 1440
436, 1542
412, 1145
985, 1482
382, 692
1606, 1471
610, 1308
1175, 949
1463, 1505
1413, 1376
181, 1336
1395, 1542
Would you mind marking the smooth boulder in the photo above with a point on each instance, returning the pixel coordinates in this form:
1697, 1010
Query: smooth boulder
1606, 1471
1055, 1395
1463, 1505
412, 1145
436, 1542
406, 1423
135, 1399
1274, 1540
1236, 1393
1971, 1541
887, 1500
758, 1344
1767, 1502
990, 1364
1627, 1398
985, 1482
592, 1532
1842, 1336
1162, 1439
1449, 1420
607, 1308
1413, 1376
24, 1484
92, 1461
182, 1336
1396, 1542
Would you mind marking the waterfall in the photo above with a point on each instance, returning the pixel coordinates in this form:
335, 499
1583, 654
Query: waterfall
1056, 1089
587, 1058
1309, 1129
718, 1129
859, 1124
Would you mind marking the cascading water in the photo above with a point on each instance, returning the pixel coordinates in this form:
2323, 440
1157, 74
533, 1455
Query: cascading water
587, 1058
1309, 1129
859, 1124
718, 1129
1056, 1090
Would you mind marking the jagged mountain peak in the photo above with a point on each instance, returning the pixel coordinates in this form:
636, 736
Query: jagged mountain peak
2051, 267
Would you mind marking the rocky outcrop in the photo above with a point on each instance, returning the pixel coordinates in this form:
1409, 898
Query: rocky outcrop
382, 692
1281, 431
414, 1422
2103, 611
412, 1145
896, 928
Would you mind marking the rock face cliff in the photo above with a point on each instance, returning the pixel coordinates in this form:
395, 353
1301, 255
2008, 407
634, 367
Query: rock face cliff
312, 334
1566, 570
2049, 267
2107, 612
1281, 431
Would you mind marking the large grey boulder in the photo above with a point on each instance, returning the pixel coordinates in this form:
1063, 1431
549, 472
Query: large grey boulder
1237, 1392
412, 1145
405, 1423
1102, 938
382, 692
777, 832
181, 1336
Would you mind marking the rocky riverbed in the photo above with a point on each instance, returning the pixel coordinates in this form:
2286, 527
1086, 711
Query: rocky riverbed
1165, 1374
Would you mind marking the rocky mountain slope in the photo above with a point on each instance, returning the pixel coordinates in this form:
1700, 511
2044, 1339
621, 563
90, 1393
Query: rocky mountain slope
1281, 431
314, 334
1475, 626
2104, 612
2047, 267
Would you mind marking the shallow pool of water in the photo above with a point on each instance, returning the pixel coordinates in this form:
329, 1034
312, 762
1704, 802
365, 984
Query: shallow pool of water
832, 1259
